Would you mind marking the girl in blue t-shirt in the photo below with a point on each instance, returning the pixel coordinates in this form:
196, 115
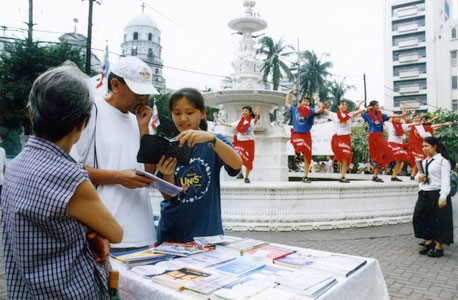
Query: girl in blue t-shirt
197, 210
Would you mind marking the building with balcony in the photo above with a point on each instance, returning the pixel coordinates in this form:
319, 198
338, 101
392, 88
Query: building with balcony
420, 53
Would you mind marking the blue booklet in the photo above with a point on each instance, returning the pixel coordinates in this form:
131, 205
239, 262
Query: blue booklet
239, 266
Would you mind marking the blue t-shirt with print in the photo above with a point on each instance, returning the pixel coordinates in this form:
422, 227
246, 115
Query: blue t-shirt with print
196, 212
374, 127
302, 124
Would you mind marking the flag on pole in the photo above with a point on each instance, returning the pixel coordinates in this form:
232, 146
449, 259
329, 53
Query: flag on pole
154, 121
105, 68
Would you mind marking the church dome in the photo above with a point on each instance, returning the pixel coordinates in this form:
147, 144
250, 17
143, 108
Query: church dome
142, 20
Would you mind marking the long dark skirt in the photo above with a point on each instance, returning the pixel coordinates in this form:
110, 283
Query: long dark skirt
431, 222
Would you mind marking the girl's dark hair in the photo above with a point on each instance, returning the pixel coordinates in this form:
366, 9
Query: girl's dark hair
341, 101
440, 148
373, 102
250, 109
193, 96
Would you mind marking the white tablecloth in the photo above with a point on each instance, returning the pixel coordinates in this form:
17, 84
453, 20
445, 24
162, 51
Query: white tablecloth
366, 283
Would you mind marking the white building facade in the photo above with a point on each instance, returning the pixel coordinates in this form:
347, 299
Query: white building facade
142, 38
420, 55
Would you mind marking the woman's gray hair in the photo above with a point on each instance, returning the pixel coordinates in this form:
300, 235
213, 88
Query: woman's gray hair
59, 101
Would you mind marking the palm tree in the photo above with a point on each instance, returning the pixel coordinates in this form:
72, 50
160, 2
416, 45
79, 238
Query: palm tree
273, 63
313, 73
337, 90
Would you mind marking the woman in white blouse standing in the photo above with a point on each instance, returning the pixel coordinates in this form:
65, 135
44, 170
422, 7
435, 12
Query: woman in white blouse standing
432, 218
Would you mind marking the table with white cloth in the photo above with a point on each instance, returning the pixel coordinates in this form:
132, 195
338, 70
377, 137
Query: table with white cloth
365, 283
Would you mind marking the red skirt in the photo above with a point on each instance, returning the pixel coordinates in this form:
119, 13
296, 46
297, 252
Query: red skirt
399, 153
302, 142
341, 146
415, 152
380, 150
246, 151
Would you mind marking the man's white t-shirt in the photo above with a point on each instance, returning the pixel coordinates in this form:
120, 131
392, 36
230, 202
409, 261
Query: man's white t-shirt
118, 141
341, 128
248, 135
392, 137
2, 164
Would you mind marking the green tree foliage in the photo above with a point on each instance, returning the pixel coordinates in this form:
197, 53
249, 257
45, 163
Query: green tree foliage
337, 90
274, 64
360, 143
20, 64
313, 74
449, 134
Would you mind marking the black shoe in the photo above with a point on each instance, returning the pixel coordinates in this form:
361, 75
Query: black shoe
247, 180
344, 180
395, 179
436, 253
426, 248
377, 179
240, 176
306, 180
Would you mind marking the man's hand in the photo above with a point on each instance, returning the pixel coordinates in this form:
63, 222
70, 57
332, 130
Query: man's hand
130, 180
143, 114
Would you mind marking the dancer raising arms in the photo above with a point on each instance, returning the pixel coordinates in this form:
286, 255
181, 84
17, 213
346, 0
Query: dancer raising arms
244, 140
341, 140
301, 139
379, 149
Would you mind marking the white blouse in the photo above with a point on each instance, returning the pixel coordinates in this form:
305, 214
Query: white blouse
438, 175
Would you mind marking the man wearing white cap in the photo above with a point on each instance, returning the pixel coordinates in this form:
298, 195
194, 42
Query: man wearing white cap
108, 148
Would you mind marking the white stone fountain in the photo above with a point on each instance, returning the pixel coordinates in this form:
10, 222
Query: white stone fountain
270, 163
270, 202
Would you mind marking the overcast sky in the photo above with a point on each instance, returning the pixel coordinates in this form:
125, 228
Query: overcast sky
195, 35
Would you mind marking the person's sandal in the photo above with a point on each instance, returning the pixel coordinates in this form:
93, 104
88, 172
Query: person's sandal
395, 179
377, 179
426, 248
247, 180
306, 180
344, 180
436, 253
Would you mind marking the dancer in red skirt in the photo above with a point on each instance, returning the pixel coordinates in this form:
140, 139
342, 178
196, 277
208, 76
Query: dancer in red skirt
341, 140
301, 139
396, 131
379, 149
416, 136
244, 140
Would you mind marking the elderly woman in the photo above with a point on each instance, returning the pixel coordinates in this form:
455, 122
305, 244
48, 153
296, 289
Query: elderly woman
49, 206
432, 218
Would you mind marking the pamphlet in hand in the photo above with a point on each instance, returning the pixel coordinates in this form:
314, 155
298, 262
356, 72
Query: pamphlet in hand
160, 184
419, 164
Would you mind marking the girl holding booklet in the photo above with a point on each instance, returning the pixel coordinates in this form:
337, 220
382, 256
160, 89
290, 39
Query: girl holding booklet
432, 218
244, 140
197, 210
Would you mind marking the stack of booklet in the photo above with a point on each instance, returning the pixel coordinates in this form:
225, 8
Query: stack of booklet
140, 257
215, 240
239, 247
181, 249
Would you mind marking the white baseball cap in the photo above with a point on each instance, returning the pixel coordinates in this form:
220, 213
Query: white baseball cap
136, 74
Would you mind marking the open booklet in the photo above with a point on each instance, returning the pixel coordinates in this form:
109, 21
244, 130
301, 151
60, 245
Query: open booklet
160, 184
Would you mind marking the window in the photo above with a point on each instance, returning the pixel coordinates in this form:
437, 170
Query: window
135, 35
125, 37
134, 51
454, 82
453, 53
150, 36
455, 104
157, 71
454, 33
150, 52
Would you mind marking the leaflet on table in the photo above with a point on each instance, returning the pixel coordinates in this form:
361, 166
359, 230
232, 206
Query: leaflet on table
276, 294
300, 259
243, 289
160, 184
339, 265
241, 246
159, 268
312, 292
239, 266
178, 279
140, 257
269, 253
181, 249
215, 240
206, 259
211, 283
306, 281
